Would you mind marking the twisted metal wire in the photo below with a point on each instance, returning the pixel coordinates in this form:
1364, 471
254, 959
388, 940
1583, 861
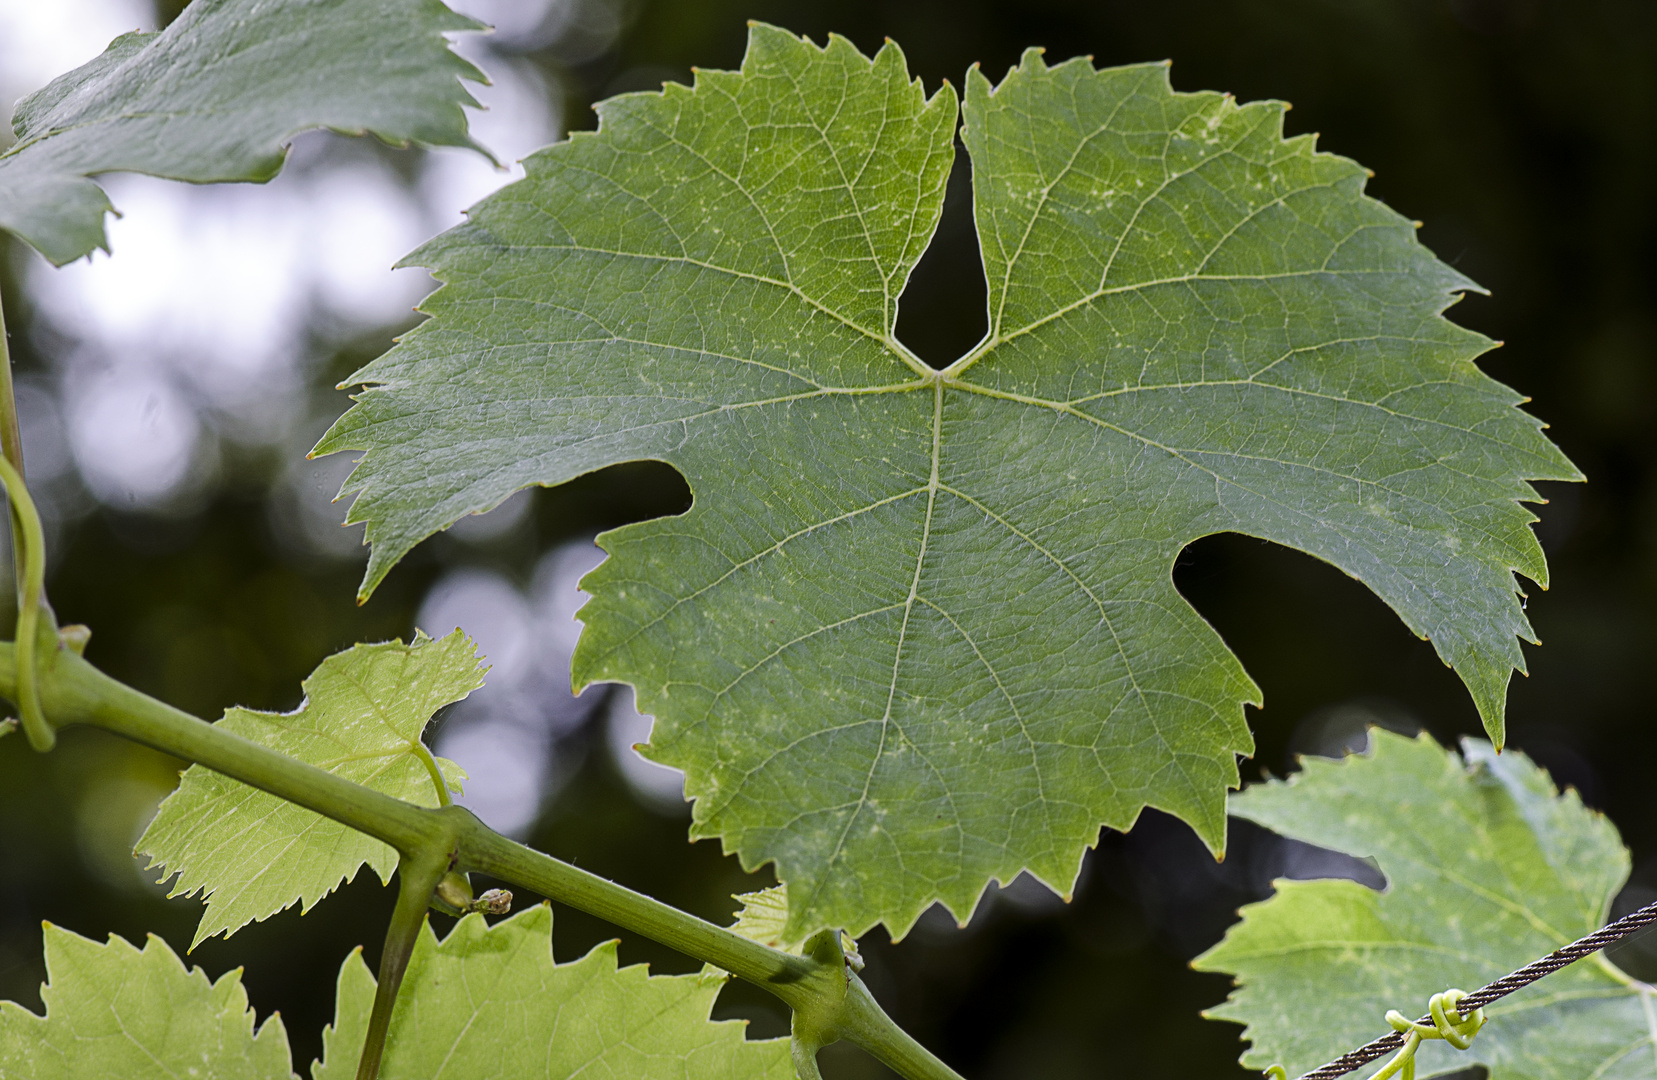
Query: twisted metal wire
1507, 984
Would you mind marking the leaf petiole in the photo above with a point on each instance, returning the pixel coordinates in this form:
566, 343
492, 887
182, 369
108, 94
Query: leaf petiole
426, 759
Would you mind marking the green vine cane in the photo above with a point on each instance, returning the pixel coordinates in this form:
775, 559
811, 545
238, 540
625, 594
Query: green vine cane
33, 559
1448, 1024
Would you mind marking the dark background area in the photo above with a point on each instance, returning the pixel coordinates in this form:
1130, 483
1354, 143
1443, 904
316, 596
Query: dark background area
1521, 133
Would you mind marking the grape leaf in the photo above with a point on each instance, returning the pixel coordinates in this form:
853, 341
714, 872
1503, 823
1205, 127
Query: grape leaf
253, 854
919, 630
1488, 867
489, 1001
763, 917
218, 95
112, 1010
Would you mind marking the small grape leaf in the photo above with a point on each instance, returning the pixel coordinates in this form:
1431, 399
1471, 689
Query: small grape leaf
763, 917
1488, 867
219, 94
918, 630
112, 1010
489, 1001
253, 854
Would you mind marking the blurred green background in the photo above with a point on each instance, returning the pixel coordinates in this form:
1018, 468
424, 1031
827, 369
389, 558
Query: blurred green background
1521, 132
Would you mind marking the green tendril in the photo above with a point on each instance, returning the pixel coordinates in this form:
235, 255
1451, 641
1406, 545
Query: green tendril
1448, 1024
40, 733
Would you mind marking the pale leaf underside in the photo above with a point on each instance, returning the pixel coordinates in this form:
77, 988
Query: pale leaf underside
489, 1001
919, 630
253, 854
1488, 867
115, 1011
218, 95
486, 1001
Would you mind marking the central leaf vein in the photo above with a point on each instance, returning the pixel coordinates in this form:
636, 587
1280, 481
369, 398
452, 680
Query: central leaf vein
897, 652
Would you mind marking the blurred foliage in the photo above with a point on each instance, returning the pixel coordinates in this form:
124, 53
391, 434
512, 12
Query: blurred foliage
1519, 131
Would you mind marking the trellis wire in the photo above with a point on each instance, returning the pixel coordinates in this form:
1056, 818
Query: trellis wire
1507, 984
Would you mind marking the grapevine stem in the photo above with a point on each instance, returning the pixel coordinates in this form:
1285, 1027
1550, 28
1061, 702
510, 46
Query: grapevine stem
828, 995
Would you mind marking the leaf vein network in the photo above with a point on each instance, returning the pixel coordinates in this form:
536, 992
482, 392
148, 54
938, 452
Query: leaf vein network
1104, 616
785, 646
1138, 286
849, 185
1320, 945
1012, 703
611, 338
737, 567
120, 1022
883, 340
1189, 455
1046, 192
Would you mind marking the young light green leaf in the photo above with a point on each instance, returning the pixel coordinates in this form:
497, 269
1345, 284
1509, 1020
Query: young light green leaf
114, 1011
218, 95
253, 854
763, 917
489, 1001
1488, 867
936, 639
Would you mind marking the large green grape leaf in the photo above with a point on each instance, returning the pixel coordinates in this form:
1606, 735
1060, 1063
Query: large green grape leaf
1488, 867
218, 95
919, 630
115, 1011
489, 1001
253, 854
